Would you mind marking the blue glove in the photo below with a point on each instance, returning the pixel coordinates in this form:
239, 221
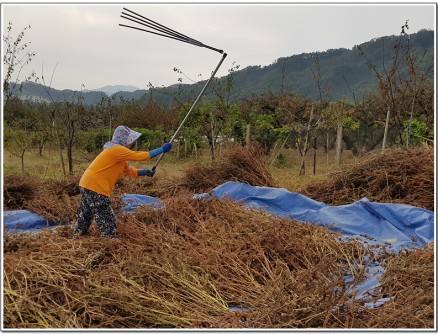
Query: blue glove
146, 172
166, 147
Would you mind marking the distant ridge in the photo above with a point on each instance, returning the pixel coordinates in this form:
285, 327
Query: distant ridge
112, 89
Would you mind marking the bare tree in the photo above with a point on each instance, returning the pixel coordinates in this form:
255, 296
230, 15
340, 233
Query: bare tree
17, 142
15, 58
306, 141
386, 80
415, 81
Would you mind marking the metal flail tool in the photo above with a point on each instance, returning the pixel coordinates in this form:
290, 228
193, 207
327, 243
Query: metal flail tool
160, 30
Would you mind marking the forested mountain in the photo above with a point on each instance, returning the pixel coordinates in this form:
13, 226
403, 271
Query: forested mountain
342, 73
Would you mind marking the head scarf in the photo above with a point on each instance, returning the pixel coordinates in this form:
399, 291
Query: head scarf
122, 136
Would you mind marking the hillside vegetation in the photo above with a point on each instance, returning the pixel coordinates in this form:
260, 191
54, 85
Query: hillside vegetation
343, 72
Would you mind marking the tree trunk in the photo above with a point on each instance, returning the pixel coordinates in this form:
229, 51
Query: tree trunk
213, 138
409, 129
71, 140
314, 156
70, 159
385, 134
62, 159
40, 147
338, 143
248, 134
177, 150
22, 162
305, 148
279, 150
195, 149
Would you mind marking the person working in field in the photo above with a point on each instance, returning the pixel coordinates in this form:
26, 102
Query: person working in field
99, 179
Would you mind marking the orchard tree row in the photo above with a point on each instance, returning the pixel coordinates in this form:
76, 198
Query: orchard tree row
274, 121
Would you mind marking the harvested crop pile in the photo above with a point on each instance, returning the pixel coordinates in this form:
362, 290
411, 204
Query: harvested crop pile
182, 266
56, 200
394, 176
17, 190
409, 279
244, 164
157, 186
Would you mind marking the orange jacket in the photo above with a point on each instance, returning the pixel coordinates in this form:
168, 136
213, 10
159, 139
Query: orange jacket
103, 173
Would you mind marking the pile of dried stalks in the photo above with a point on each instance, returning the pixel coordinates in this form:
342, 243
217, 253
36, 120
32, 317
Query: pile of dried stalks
181, 267
17, 190
56, 200
243, 164
158, 186
394, 176
409, 281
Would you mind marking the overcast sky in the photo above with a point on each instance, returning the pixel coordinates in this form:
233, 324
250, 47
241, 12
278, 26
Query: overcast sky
84, 44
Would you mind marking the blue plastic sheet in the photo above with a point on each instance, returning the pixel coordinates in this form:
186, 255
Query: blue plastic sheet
394, 226
132, 201
24, 221
397, 226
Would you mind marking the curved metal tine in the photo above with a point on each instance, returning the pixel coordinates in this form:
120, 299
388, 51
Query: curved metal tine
151, 25
162, 26
165, 34
175, 38
177, 35
178, 39
156, 33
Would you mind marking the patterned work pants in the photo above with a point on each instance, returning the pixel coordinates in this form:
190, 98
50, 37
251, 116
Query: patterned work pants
97, 206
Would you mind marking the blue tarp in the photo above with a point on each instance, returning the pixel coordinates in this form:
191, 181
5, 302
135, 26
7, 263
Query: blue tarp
398, 226
132, 201
24, 220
